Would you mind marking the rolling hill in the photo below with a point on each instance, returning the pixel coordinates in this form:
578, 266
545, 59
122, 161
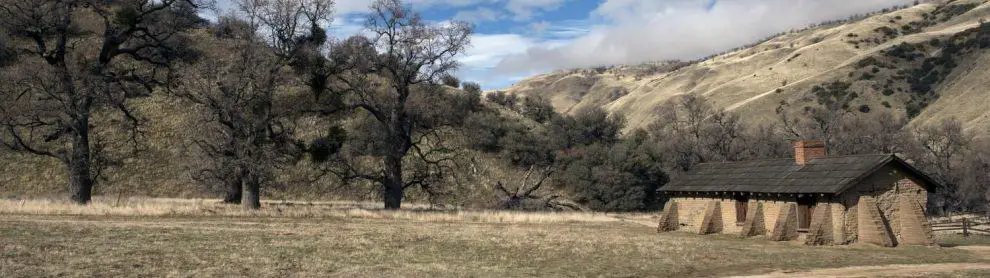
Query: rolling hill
929, 62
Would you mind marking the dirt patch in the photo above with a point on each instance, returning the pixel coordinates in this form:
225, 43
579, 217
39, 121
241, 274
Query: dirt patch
899, 270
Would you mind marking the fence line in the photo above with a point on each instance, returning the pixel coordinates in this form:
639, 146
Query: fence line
966, 226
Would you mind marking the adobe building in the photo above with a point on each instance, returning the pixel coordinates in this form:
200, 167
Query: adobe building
812, 197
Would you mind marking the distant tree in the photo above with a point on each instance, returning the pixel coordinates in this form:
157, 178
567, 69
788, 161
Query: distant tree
470, 97
879, 133
586, 127
537, 108
503, 99
524, 148
941, 149
471, 87
450, 80
77, 57
823, 121
487, 128
691, 130
766, 141
619, 177
974, 186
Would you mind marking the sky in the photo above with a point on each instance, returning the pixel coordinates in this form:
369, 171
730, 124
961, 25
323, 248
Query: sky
515, 39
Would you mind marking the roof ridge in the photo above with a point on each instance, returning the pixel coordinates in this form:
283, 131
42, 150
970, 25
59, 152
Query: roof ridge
748, 160
856, 155
791, 158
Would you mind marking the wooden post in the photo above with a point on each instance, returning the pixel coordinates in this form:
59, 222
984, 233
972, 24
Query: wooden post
965, 226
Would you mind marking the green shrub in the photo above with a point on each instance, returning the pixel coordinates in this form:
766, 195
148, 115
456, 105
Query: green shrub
537, 109
868, 61
471, 87
470, 98
622, 177
486, 130
525, 148
503, 99
834, 93
864, 108
588, 126
450, 80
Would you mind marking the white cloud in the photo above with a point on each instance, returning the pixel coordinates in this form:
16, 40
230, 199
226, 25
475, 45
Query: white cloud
487, 50
359, 6
526, 9
479, 15
342, 7
345, 26
636, 31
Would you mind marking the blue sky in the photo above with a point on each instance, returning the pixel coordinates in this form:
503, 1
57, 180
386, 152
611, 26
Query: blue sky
515, 39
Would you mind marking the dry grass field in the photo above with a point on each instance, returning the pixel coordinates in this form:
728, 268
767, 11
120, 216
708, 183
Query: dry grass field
173, 237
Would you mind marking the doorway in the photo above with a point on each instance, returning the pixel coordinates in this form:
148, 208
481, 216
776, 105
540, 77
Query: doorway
805, 211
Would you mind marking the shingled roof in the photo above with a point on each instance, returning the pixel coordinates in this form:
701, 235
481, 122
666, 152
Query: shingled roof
832, 175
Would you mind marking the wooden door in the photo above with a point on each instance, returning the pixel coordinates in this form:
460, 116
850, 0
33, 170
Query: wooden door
742, 204
740, 212
805, 210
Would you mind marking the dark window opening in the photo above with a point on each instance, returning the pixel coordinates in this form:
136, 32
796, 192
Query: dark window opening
742, 204
805, 210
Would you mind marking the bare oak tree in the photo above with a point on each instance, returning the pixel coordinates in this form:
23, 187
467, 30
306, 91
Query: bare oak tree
78, 56
822, 121
412, 56
692, 130
941, 149
243, 85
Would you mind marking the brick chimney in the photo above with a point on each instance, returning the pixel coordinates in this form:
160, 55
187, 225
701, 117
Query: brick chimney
806, 150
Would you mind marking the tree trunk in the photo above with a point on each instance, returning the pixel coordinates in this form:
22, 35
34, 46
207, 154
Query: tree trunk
252, 193
393, 182
80, 181
233, 186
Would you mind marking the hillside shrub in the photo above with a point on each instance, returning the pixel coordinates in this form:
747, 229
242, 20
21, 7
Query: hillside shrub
486, 130
620, 177
450, 80
504, 99
864, 108
525, 148
471, 87
537, 109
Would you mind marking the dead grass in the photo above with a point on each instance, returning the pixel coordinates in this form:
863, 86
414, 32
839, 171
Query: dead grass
951, 240
174, 237
105, 206
35, 246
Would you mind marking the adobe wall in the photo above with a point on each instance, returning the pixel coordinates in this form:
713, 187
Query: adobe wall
896, 207
691, 210
888, 188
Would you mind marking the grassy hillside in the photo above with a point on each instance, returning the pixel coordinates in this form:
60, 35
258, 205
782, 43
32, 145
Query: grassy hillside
165, 163
863, 53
